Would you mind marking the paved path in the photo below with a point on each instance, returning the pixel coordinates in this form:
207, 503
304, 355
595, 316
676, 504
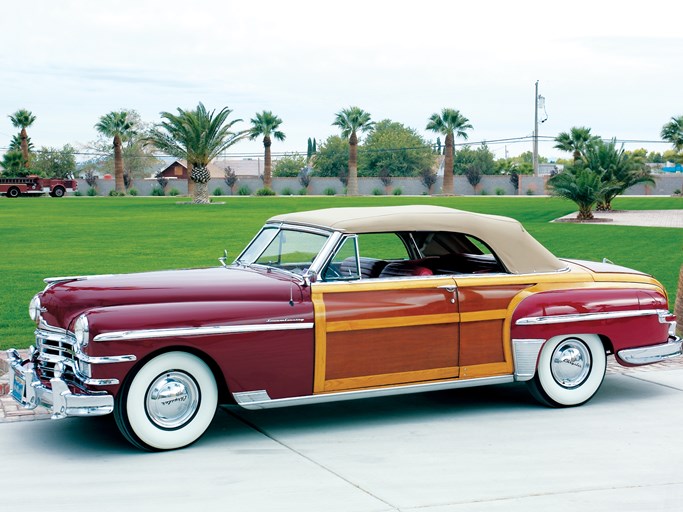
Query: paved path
646, 218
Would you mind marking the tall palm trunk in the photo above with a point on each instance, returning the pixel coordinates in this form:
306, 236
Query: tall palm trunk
190, 183
352, 184
201, 193
267, 165
448, 187
118, 166
678, 309
24, 147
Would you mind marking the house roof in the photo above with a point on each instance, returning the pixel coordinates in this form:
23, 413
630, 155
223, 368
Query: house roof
516, 248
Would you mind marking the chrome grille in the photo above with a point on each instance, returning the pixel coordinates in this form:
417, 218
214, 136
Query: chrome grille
55, 346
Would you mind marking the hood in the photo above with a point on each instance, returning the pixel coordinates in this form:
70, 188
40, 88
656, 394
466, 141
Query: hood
64, 300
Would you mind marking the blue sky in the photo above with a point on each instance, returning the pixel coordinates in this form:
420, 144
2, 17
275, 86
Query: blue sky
612, 66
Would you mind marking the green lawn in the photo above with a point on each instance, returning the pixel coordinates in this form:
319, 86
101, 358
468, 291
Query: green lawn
42, 237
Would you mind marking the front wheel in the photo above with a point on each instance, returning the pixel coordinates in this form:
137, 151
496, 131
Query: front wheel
58, 192
168, 403
570, 370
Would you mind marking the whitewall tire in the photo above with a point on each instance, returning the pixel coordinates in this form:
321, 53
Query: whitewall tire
169, 403
570, 370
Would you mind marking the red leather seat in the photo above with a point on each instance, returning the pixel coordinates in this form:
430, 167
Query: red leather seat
405, 268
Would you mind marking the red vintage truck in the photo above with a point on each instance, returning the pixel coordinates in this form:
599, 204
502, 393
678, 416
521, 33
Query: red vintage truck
35, 185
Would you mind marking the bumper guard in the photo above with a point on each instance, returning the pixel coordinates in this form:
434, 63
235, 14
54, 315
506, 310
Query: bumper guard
652, 354
26, 389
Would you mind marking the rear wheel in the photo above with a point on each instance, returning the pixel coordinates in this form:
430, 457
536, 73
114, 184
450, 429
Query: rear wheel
570, 370
58, 192
169, 403
13, 192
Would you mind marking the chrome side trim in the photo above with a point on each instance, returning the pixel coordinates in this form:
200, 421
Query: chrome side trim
260, 399
199, 331
653, 353
586, 317
525, 354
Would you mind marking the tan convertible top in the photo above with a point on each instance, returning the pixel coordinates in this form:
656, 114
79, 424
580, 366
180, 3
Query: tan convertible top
516, 248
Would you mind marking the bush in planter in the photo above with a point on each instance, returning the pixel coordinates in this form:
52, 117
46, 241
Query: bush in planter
133, 192
397, 191
244, 191
500, 192
92, 191
303, 191
78, 193
174, 192
265, 191
377, 191
218, 191
158, 191
114, 193
330, 191
286, 192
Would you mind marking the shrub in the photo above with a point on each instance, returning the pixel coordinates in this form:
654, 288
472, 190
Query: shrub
677, 192
158, 191
78, 193
530, 192
133, 192
330, 191
174, 192
303, 191
377, 191
92, 191
265, 191
484, 192
244, 191
114, 193
397, 191
500, 191
287, 191
218, 191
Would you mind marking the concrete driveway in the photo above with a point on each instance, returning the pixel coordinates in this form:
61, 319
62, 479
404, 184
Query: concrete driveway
486, 449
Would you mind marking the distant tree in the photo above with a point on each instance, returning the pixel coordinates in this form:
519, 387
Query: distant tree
332, 159
266, 124
55, 162
351, 121
655, 157
576, 141
230, 178
90, 178
198, 136
13, 165
394, 147
482, 158
438, 145
118, 126
305, 177
528, 158
309, 150
161, 180
672, 132
15, 144
23, 119
452, 124
289, 166
428, 178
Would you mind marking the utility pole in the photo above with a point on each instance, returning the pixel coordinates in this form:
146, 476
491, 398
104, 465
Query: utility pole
535, 152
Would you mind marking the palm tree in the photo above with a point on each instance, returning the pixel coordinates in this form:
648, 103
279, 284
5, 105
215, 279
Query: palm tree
578, 184
118, 126
266, 123
22, 119
673, 132
576, 141
351, 121
452, 124
198, 136
617, 170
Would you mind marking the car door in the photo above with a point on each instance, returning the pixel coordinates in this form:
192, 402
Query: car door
381, 331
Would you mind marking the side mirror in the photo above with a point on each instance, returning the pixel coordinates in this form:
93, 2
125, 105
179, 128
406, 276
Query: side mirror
224, 259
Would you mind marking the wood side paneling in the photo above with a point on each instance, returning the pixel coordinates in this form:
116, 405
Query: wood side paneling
484, 342
391, 350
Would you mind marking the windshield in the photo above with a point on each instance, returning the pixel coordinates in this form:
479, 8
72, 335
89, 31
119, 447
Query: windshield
287, 249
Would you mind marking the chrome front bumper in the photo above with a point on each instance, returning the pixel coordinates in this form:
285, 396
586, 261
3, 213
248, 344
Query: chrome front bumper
29, 392
652, 354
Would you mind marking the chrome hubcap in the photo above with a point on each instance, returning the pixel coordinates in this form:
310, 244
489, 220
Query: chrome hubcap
570, 363
172, 400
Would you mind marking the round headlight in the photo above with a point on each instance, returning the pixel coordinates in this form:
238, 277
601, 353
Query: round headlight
34, 309
82, 331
